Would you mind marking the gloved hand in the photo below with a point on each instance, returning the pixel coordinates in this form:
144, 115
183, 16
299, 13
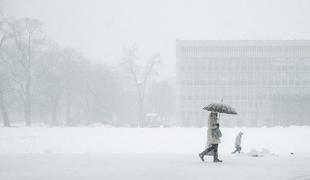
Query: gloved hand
217, 125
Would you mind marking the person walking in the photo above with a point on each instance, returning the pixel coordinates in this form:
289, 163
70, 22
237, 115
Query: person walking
238, 143
213, 137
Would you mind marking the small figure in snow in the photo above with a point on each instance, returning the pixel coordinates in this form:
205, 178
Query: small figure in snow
238, 143
214, 135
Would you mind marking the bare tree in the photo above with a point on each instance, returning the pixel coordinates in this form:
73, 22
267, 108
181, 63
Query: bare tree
3, 71
25, 33
50, 80
140, 76
3, 108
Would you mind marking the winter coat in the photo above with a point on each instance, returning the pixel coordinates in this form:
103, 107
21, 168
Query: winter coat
238, 139
212, 125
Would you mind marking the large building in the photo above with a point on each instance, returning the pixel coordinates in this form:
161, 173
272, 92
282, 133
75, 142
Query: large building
267, 82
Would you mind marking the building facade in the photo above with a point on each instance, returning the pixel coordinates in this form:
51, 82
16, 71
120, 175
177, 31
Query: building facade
267, 82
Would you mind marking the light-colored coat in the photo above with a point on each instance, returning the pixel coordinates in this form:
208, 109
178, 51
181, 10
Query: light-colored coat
238, 139
212, 121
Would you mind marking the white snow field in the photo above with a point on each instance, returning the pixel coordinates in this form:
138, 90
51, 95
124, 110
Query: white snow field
149, 167
142, 153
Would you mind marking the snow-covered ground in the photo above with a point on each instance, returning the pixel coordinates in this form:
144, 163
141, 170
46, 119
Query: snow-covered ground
142, 153
147, 140
150, 167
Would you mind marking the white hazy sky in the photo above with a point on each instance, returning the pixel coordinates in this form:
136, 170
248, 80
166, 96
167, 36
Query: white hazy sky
101, 28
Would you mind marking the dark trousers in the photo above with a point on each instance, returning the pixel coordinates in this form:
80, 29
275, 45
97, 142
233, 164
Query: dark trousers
238, 149
213, 147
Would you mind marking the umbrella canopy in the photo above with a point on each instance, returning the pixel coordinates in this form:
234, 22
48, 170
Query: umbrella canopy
220, 108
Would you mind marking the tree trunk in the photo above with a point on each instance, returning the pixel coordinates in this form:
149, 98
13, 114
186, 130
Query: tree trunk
27, 113
55, 102
28, 101
68, 109
54, 113
4, 112
28, 85
141, 113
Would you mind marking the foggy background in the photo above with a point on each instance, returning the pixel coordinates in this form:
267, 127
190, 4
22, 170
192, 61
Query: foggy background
100, 29
88, 87
113, 62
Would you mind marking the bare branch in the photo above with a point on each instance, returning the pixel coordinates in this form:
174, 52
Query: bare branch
153, 62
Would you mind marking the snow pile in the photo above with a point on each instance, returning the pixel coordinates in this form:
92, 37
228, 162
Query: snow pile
260, 153
277, 140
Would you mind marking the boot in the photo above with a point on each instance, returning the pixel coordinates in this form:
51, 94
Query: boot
215, 158
201, 155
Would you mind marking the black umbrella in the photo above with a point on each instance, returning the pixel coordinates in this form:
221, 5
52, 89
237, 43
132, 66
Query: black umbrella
220, 108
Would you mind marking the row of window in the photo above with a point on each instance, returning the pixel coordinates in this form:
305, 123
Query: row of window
245, 60
246, 51
245, 68
239, 94
250, 112
247, 82
238, 97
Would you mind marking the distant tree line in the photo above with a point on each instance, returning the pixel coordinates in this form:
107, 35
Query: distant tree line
44, 83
